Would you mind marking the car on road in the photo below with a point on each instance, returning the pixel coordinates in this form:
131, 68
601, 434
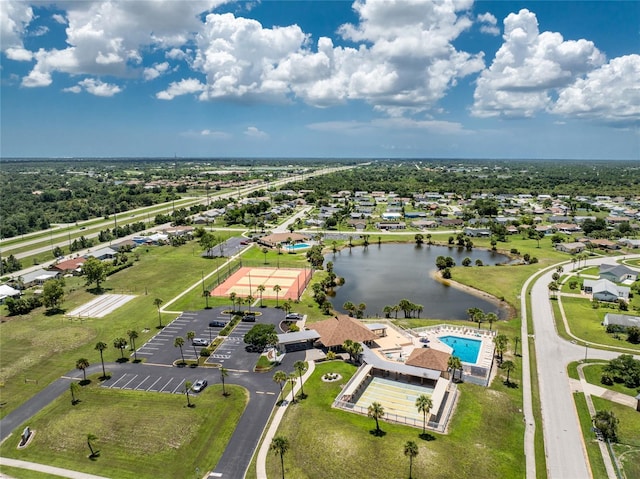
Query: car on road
293, 317
200, 342
249, 317
199, 385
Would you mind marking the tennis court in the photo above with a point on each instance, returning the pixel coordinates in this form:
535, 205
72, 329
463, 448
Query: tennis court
245, 282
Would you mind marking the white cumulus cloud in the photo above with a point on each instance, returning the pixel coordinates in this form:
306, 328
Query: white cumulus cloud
19, 54
155, 71
15, 17
254, 132
528, 65
59, 18
488, 23
610, 93
182, 87
95, 87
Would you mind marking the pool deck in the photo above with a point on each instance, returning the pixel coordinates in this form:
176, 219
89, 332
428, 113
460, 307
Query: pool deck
485, 355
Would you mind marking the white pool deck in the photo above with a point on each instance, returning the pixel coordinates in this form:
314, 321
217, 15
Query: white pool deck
433, 333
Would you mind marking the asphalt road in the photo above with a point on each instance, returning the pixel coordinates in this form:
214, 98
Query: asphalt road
564, 444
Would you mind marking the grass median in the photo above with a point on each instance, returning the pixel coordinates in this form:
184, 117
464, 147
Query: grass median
138, 434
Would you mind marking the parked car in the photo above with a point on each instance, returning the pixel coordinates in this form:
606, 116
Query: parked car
217, 323
249, 317
293, 317
200, 342
199, 385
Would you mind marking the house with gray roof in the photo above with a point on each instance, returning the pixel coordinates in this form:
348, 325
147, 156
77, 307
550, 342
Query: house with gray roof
618, 273
623, 320
605, 290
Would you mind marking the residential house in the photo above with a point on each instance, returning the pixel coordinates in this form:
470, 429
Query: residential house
103, 253
629, 243
38, 276
70, 266
477, 232
572, 248
8, 292
451, 222
603, 244
391, 225
424, 224
617, 273
623, 320
605, 290
358, 224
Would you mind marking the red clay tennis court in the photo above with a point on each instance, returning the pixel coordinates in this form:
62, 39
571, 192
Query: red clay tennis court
245, 282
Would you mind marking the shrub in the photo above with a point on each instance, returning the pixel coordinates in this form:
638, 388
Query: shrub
331, 356
515, 251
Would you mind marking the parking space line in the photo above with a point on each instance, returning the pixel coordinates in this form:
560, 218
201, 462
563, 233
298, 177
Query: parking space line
168, 382
177, 386
139, 386
123, 387
154, 383
148, 354
119, 379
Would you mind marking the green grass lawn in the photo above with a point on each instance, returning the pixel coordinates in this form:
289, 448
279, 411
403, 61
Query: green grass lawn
627, 449
591, 442
485, 439
41, 348
585, 323
139, 434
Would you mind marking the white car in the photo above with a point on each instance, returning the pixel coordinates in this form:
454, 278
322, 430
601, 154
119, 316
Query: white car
200, 342
199, 385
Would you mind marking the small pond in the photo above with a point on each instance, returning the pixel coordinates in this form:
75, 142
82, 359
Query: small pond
384, 274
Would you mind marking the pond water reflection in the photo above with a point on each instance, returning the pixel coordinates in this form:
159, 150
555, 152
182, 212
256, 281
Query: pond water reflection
384, 274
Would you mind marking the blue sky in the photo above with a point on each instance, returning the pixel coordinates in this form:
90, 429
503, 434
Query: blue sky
404, 78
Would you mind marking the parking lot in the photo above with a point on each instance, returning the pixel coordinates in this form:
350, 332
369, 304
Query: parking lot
150, 382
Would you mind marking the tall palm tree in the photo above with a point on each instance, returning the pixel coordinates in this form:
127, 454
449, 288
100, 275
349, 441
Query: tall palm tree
300, 367
206, 293
249, 299
178, 343
91, 438
261, 289
187, 388
491, 318
508, 366
280, 377
265, 251
277, 289
157, 302
454, 364
280, 445
232, 297
133, 335
292, 380
83, 364
424, 405
100, 346
411, 451
501, 341
349, 307
74, 387
376, 411
190, 336
479, 318
121, 344
516, 340
224, 372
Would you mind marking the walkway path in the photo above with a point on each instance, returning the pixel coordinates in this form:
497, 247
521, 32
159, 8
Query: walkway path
261, 465
55, 471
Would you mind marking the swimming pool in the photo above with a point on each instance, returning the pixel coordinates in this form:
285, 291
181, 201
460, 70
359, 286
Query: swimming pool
465, 348
298, 246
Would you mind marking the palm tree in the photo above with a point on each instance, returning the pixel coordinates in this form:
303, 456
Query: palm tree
277, 289
419, 239
501, 341
280, 445
100, 346
478, 317
419, 309
424, 405
348, 347
250, 299
454, 364
133, 335
206, 293
376, 411
187, 388
300, 367
516, 340
292, 379
190, 336
232, 297
223, 374
178, 343
356, 351
90, 438
349, 307
387, 311
261, 289
74, 387
553, 288
411, 451
83, 364
121, 344
360, 310
280, 377
265, 251
157, 302
508, 366
491, 318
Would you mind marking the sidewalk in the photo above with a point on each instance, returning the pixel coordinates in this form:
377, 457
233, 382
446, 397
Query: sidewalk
261, 469
54, 471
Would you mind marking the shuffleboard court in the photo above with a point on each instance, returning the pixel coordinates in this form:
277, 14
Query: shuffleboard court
100, 306
245, 282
